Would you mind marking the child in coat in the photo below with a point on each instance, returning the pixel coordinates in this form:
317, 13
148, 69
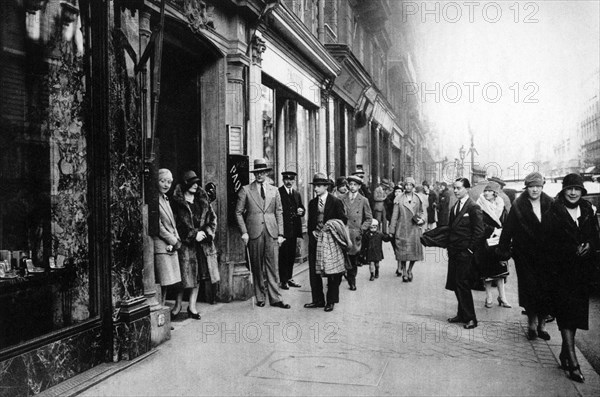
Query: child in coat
372, 248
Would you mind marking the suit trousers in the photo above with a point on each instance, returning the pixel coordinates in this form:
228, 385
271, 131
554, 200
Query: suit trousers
316, 280
264, 253
351, 273
287, 257
462, 262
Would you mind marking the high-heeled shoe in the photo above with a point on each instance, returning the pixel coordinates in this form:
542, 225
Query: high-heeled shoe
404, 279
542, 334
575, 374
195, 316
503, 303
564, 360
488, 303
174, 315
410, 276
398, 274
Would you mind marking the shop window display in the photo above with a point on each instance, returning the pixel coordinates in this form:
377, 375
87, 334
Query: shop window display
44, 264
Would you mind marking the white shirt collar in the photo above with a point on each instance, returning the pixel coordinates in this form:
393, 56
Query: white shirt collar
324, 196
464, 200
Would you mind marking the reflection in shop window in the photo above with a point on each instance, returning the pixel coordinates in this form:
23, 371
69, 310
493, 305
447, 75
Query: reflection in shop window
44, 268
268, 127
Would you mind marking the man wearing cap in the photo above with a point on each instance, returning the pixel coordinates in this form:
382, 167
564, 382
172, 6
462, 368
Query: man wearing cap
259, 214
293, 211
321, 209
479, 184
364, 188
359, 219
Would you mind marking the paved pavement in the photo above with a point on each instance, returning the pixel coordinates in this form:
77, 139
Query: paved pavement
386, 338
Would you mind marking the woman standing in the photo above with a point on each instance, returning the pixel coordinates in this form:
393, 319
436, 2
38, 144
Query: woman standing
490, 267
166, 244
196, 224
523, 232
405, 229
571, 229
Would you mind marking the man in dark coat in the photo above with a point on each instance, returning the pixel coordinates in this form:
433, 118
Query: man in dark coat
293, 211
322, 208
444, 205
466, 233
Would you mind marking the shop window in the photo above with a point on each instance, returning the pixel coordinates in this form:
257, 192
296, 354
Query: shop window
267, 105
44, 263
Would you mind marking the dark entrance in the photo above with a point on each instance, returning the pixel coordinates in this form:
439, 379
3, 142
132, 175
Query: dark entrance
179, 130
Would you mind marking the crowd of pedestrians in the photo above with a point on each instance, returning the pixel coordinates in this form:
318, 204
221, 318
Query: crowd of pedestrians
553, 241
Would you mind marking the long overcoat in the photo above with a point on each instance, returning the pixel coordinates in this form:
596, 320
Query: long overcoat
359, 219
406, 233
523, 237
571, 273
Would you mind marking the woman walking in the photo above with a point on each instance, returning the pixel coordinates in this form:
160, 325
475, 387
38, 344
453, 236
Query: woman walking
491, 268
405, 229
523, 231
571, 229
196, 223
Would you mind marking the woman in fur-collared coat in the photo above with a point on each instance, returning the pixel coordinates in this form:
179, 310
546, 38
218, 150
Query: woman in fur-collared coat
523, 239
196, 223
571, 230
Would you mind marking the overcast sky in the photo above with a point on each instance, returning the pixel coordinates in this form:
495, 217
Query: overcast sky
555, 52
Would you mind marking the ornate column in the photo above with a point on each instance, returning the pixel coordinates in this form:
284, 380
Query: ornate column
258, 46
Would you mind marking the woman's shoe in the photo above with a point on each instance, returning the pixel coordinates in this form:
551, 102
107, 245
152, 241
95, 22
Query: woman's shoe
564, 360
503, 303
372, 277
398, 274
488, 303
174, 315
575, 374
405, 279
542, 334
531, 334
195, 316
410, 276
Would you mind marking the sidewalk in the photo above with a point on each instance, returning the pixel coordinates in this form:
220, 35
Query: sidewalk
387, 338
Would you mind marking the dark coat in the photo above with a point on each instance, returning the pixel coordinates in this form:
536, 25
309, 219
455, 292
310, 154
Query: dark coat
488, 262
191, 219
372, 246
523, 239
388, 203
334, 209
432, 208
444, 207
571, 273
292, 222
466, 233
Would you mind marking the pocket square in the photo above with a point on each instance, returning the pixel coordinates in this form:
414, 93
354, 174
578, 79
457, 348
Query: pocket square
465, 215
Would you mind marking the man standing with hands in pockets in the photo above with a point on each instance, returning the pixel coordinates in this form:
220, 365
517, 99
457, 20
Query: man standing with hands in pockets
262, 232
293, 211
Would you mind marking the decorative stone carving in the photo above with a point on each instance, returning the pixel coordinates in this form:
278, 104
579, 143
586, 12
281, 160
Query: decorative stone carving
197, 14
259, 45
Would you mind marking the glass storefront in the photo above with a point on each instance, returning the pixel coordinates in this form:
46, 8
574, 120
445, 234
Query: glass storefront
44, 260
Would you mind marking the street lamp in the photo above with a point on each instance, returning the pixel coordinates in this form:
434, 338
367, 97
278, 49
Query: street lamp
462, 153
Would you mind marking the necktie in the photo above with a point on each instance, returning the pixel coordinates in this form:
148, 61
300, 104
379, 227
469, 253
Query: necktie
457, 208
262, 191
321, 203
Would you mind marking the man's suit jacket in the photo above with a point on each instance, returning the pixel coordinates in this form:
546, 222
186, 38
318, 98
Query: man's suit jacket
359, 219
334, 209
466, 228
259, 213
167, 230
292, 222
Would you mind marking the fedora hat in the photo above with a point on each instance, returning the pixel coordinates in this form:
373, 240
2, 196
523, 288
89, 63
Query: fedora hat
321, 179
359, 173
354, 178
261, 165
385, 182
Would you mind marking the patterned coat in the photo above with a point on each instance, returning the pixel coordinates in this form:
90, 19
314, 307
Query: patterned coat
406, 233
359, 219
332, 245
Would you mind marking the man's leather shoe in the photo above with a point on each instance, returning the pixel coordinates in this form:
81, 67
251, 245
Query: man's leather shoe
353, 287
471, 324
260, 303
294, 284
455, 320
313, 305
283, 286
281, 305
329, 307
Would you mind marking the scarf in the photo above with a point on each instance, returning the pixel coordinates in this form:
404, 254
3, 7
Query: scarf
492, 208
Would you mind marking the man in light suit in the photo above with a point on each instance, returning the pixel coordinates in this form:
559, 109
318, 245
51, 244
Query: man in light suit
293, 211
359, 220
466, 233
260, 217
